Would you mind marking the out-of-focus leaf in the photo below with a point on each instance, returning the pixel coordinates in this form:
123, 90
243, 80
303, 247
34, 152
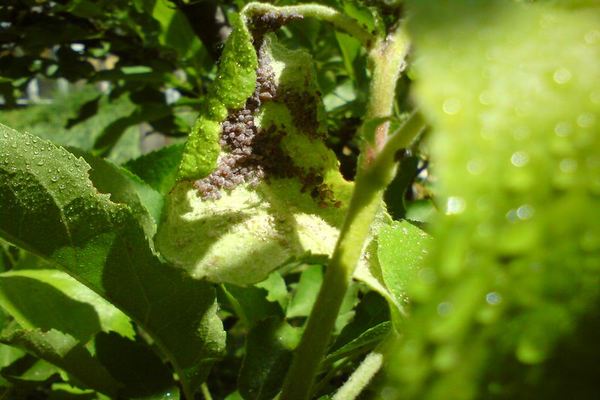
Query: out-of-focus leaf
49, 206
268, 355
159, 168
38, 371
250, 304
276, 289
305, 292
509, 293
176, 32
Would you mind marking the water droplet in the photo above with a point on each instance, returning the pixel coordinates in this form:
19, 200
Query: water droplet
592, 36
525, 212
35, 140
35, 152
444, 308
563, 129
455, 205
586, 120
568, 165
562, 76
493, 298
452, 106
61, 186
519, 159
40, 163
54, 179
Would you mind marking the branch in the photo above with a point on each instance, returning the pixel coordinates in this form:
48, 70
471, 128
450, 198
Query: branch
337, 19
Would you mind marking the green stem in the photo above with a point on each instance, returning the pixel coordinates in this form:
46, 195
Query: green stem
360, 378
337, 19
376, 169
206, 392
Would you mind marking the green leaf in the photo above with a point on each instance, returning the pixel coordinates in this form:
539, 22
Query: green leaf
371, 311
158, 168
49, 206
250, 304
55, 300
176, 32
363, 343
401, 250
67, 353
276, 289
39, 371
124, 187
268, 355
255, 228
305, 292
8, 355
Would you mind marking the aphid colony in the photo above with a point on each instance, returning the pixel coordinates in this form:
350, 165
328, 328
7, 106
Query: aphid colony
239, 136
252, 155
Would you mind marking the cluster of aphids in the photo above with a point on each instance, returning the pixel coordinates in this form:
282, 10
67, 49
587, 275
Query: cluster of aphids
252, 155
239, 135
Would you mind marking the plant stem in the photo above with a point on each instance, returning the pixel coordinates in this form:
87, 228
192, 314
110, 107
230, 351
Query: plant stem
206, 392
376, 169
360, 378
337, 19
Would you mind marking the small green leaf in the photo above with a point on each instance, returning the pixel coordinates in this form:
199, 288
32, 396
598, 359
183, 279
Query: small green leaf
276, 289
